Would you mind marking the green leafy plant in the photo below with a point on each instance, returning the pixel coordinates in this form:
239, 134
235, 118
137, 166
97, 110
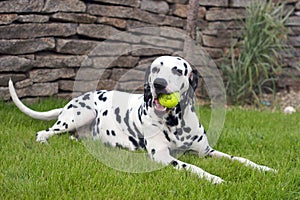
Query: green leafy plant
254, 70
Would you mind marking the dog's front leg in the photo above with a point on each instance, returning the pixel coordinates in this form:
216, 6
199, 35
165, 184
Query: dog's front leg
245, 161
162, 155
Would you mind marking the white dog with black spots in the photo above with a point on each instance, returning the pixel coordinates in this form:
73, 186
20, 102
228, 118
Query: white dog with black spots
139, 121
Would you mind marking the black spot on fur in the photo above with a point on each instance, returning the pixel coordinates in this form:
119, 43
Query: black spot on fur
200, 138
88, 107
171, 120
152, 151
113, 133
161, 63
86, 97
82, 104
126, 120
187, 129
105, 113
194, 137
184, 165
118, 116
178, 58
185, 70
56, 129
176, 71
78, 113
174, 163
70, 106
134, 142
58, 122
102, 97
107, 132
166, 135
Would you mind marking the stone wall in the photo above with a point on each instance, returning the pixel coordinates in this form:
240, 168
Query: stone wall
45, 43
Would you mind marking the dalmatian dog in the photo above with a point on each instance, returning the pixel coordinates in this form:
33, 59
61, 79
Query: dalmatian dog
139, 121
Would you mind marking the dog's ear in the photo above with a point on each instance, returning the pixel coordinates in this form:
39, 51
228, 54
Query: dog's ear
193, 81
147, 89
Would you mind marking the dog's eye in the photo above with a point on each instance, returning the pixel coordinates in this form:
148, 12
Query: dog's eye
177, 71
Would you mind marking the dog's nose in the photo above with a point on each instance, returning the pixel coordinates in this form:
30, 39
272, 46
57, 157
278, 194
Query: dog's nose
160, 83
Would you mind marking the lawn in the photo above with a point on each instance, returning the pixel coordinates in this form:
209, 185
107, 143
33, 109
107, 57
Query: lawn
64, 169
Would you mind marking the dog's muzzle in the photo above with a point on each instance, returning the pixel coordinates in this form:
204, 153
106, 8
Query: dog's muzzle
160, 87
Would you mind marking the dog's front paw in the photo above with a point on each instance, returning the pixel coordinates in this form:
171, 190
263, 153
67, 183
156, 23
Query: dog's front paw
216, 180
267, 169
41, 137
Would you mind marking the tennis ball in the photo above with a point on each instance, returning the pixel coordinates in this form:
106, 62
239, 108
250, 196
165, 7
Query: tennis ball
169, 100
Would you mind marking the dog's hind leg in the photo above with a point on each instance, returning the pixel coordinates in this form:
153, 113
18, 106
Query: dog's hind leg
67, 122
218, 154
58, 128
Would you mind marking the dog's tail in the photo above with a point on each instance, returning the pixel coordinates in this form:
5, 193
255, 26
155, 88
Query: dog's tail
48, 115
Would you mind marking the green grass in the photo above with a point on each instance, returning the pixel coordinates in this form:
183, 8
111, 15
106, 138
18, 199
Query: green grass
65, 170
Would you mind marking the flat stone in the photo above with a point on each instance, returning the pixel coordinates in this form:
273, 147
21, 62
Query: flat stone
294, 41
107, 85
66, 85
224, 25
21, 6
148, 50
178, 1
160, 7
125, 75
215, 14
172, 21
214, 52
74, 17
34, 30
151, 18
211, 41
8, 18
38, 89
171, 32
181, 10
46, 75
130, 86
14, 64
294, 30
218, 3
75, 47
24, 83
33, 18
97, 31
222, 33
58, 61
119, 23
131, 3
162, 42
110, 11
26, 46
293, 21
241, 3
125, 62
108, 48
85, 86
65, 6
4, 78
92, 74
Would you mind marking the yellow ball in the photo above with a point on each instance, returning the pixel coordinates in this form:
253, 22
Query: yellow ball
169, 100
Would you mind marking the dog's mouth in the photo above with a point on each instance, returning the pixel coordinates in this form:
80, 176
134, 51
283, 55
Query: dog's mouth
158, 107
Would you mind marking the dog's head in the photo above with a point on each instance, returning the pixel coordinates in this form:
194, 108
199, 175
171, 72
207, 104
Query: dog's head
168, 74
